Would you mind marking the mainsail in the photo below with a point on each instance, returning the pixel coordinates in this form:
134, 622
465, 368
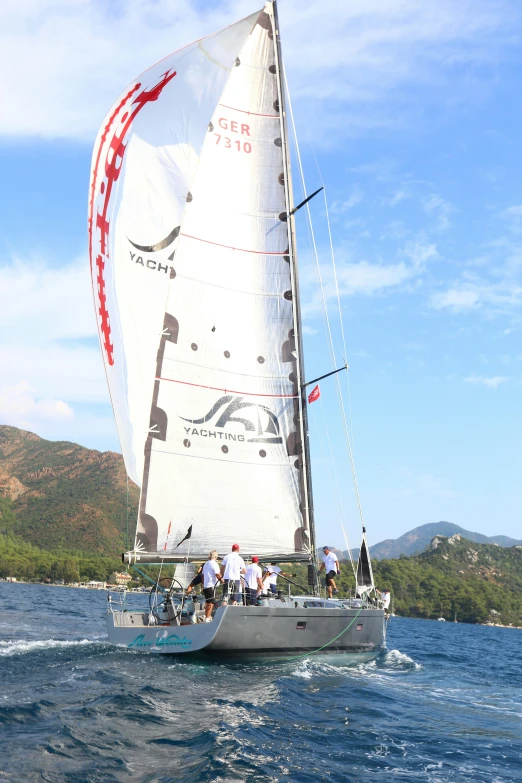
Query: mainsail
211, 352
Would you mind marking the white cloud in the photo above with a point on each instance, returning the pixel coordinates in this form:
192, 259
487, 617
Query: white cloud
363, 277
70, 371
456, 299
501, 297
39, 302
490, 383
441, 209
73, 57
21, 408
52, 370
515, 211
340, 207
398, 196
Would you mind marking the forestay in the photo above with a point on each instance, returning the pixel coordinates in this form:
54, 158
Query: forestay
224, 450
144, 162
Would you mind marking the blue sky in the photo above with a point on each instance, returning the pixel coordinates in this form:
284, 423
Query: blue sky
412, 111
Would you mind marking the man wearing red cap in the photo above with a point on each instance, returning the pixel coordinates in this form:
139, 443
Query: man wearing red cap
253, 582
231, 569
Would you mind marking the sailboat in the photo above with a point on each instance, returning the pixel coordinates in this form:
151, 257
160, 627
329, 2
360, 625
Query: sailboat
195, 283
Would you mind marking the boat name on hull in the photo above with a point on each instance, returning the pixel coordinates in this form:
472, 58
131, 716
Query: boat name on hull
162, 640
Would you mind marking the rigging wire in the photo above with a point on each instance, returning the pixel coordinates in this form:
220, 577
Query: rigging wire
329, 330
127, 505
339, 506
345, 535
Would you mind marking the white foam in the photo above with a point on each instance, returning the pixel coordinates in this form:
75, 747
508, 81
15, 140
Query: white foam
24, 646
303, 670
396, 658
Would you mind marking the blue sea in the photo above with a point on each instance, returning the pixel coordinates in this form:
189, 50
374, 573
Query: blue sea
442, 704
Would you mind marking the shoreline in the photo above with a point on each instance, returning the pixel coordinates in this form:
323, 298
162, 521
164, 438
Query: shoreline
121, 588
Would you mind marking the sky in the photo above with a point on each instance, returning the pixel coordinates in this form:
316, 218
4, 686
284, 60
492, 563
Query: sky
409, 113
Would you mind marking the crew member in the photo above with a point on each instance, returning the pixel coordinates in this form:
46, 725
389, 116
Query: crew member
253, 582
211, 576
231, 569
331, 566
273, 570
198, 579
385, 598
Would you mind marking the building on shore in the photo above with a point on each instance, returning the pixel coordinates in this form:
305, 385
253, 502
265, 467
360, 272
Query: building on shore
117, 578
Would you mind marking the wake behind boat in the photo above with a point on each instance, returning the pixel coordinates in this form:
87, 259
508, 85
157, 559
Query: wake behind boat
195, 281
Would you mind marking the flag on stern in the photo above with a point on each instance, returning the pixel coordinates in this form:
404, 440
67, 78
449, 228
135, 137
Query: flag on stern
188, 535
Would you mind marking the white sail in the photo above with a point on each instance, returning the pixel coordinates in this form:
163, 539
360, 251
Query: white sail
224, 455
144, 162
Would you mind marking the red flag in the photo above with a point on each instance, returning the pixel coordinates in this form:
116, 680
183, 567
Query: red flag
314, 394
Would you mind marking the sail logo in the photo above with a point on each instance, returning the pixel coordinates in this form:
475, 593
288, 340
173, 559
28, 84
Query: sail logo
257, 420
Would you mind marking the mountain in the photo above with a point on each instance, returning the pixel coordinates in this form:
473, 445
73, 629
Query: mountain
478, 582
64, 496
416, 540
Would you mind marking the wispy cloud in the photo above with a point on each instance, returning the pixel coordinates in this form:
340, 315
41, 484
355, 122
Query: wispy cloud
437, 206
492, 382
73, 58
40, 302
52, 372
456, 299
493, 298
341, 207
398, 196
21, 408
364, 277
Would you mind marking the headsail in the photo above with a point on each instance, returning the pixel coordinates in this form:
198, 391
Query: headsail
364, 573
224, 451
144, 162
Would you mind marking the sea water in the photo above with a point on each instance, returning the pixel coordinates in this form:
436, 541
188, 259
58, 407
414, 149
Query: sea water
442, 704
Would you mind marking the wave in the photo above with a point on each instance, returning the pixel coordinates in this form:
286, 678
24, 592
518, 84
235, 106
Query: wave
388, 662
396, 660
22, 646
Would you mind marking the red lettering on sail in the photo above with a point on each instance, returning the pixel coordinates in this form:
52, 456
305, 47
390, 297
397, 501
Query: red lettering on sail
112, 170
105, 326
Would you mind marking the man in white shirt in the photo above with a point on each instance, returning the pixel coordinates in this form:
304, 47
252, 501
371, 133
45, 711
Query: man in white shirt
231, 569
385, 598
273, 570
253, 582
211, 576
331, 566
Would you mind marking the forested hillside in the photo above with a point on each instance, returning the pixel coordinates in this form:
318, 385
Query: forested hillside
64, 496
65, 514
478, 582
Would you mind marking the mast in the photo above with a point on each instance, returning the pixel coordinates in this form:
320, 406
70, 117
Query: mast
303, 413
